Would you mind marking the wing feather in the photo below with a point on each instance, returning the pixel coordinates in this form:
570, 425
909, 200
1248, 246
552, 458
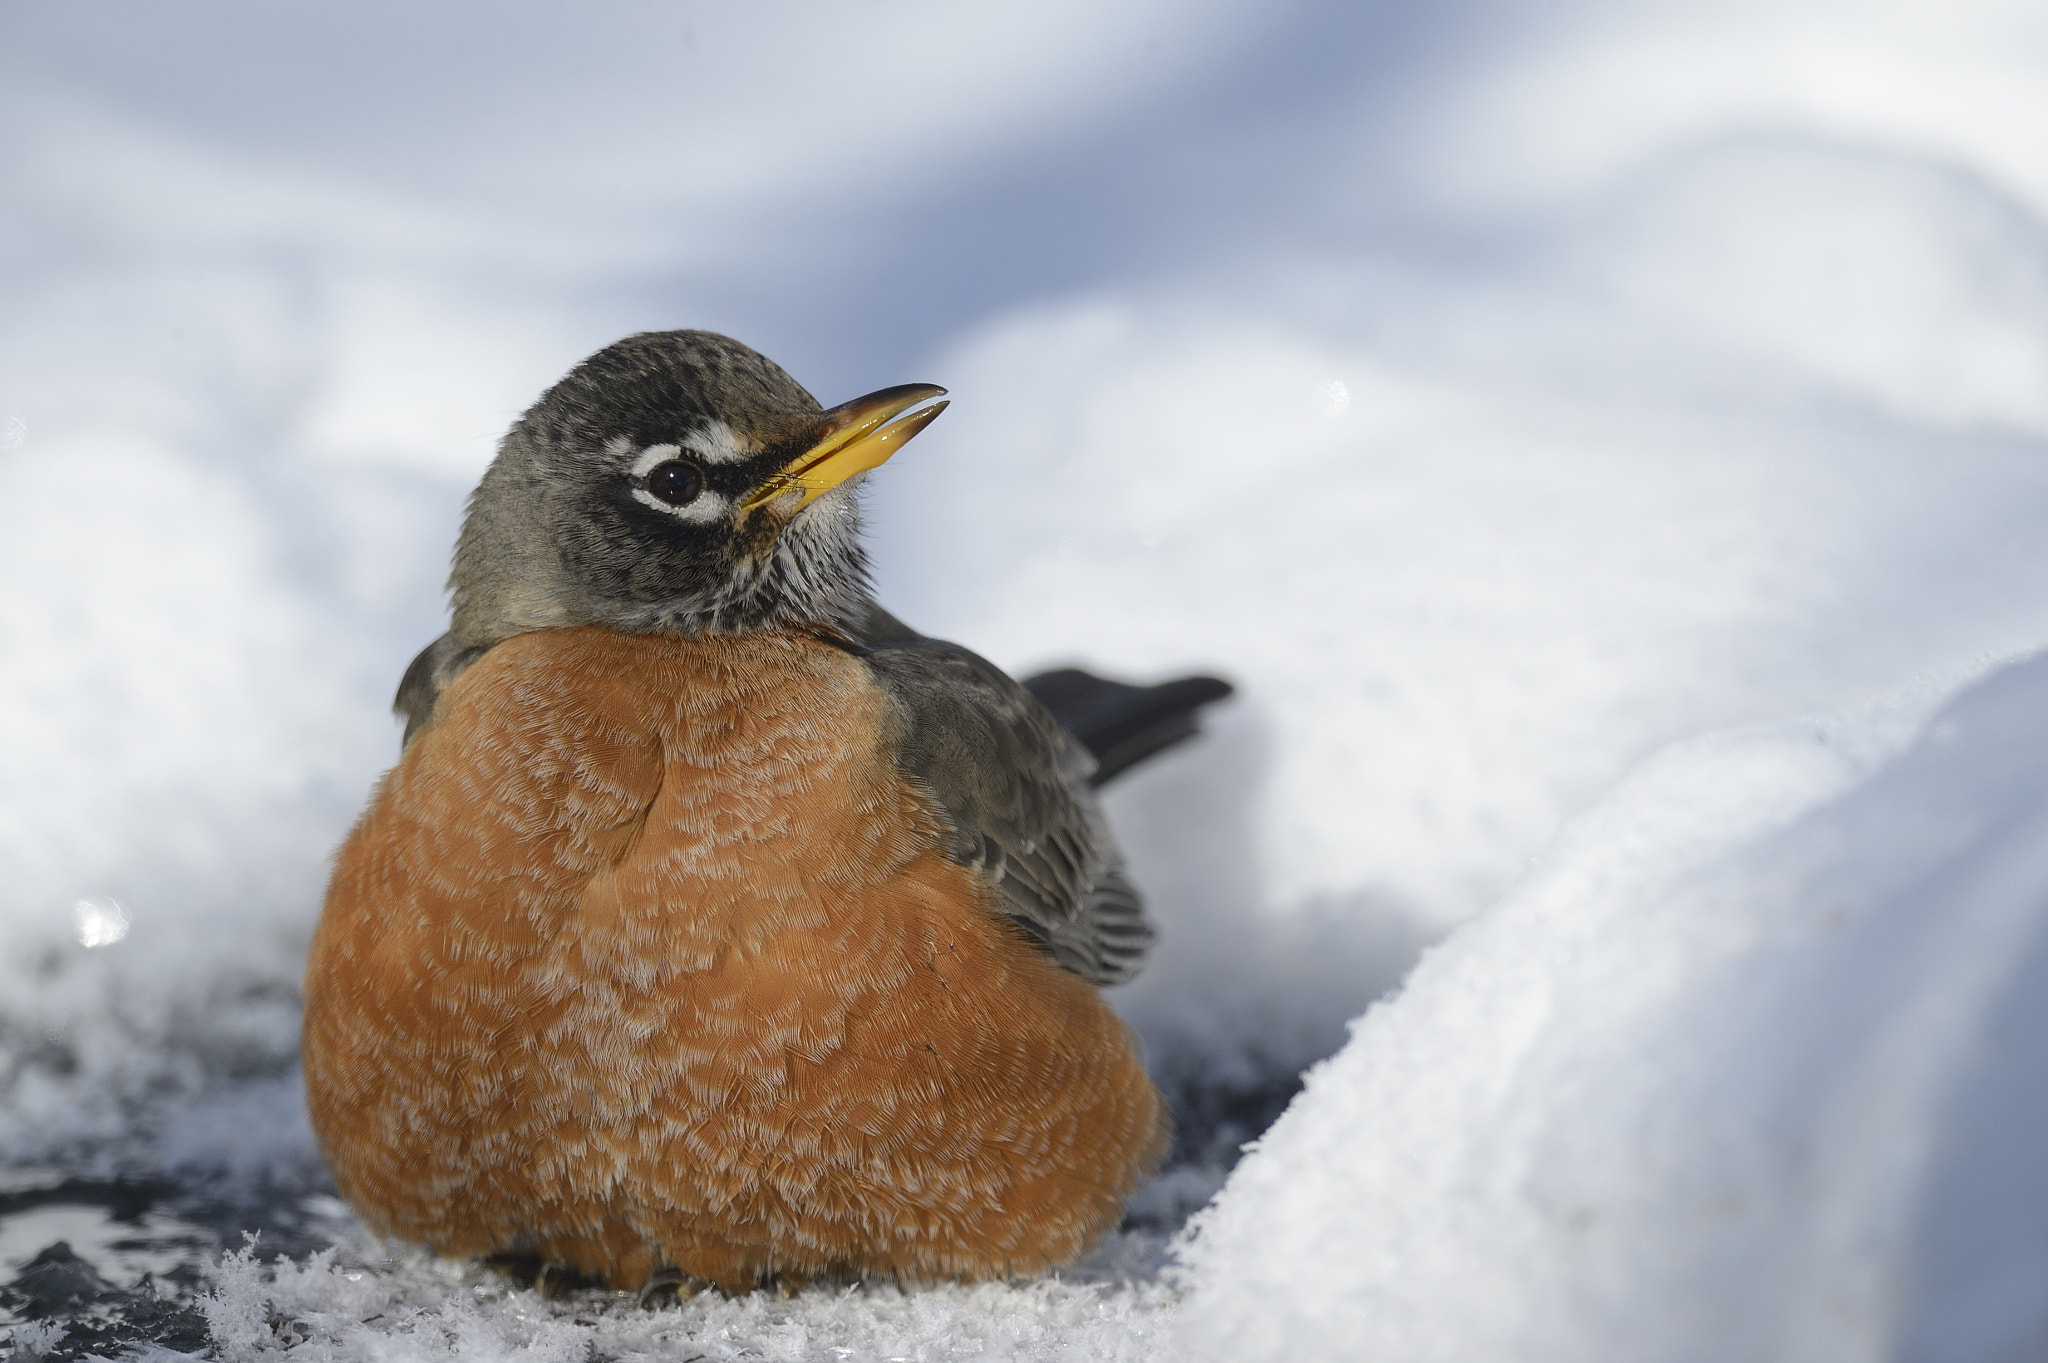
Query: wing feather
1015, 787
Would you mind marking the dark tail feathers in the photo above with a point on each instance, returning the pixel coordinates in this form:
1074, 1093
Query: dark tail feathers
1122, 724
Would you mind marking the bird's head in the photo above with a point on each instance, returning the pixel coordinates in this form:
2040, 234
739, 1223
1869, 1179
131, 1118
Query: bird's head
675, 482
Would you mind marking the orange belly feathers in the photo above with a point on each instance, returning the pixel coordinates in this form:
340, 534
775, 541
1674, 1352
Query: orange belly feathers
646, 955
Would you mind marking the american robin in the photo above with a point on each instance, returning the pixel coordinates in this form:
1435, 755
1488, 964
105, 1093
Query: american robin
715, 924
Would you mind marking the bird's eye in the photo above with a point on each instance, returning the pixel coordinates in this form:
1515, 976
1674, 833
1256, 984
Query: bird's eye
677, 482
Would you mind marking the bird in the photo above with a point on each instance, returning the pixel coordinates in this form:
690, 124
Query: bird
715, 928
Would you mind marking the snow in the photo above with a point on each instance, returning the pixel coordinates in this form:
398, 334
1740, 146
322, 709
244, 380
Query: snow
1604, 443
433, 1310
1746, 1066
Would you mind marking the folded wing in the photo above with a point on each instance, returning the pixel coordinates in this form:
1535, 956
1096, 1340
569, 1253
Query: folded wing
1014, 787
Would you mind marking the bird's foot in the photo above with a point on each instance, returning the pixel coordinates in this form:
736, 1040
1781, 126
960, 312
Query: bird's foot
669, 1285
551, 1278
558, 1279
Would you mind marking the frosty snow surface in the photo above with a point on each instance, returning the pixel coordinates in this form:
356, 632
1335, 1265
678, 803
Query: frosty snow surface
1606, 444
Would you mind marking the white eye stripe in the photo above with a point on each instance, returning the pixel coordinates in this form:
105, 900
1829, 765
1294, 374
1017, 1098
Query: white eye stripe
715, 443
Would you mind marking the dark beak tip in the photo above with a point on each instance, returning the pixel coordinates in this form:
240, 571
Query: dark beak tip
899, 395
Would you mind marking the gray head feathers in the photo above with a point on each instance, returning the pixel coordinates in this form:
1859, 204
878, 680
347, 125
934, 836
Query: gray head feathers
563, 529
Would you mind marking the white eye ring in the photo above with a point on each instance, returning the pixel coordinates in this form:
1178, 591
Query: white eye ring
652, 455
706, 507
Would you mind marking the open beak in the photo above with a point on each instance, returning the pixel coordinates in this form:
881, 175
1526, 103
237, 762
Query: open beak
852, 438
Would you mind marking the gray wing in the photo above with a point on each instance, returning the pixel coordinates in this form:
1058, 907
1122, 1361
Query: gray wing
428, 675
1014, 785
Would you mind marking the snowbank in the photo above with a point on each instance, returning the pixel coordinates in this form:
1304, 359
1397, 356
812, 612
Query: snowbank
1504, 396
1750, 1068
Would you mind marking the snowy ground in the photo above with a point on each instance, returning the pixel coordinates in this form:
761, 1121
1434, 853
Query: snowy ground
1606, 443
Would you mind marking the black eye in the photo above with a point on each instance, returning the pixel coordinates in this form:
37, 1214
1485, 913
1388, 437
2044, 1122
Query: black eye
677, 482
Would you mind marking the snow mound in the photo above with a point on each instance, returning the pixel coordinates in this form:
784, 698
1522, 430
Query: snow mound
1750, 1068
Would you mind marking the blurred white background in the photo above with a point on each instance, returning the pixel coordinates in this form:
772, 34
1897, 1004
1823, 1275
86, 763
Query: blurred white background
1500, 393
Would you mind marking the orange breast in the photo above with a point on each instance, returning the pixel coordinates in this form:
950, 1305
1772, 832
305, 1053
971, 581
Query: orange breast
645, 954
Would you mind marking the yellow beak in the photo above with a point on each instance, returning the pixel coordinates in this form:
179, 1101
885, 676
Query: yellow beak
853, 438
